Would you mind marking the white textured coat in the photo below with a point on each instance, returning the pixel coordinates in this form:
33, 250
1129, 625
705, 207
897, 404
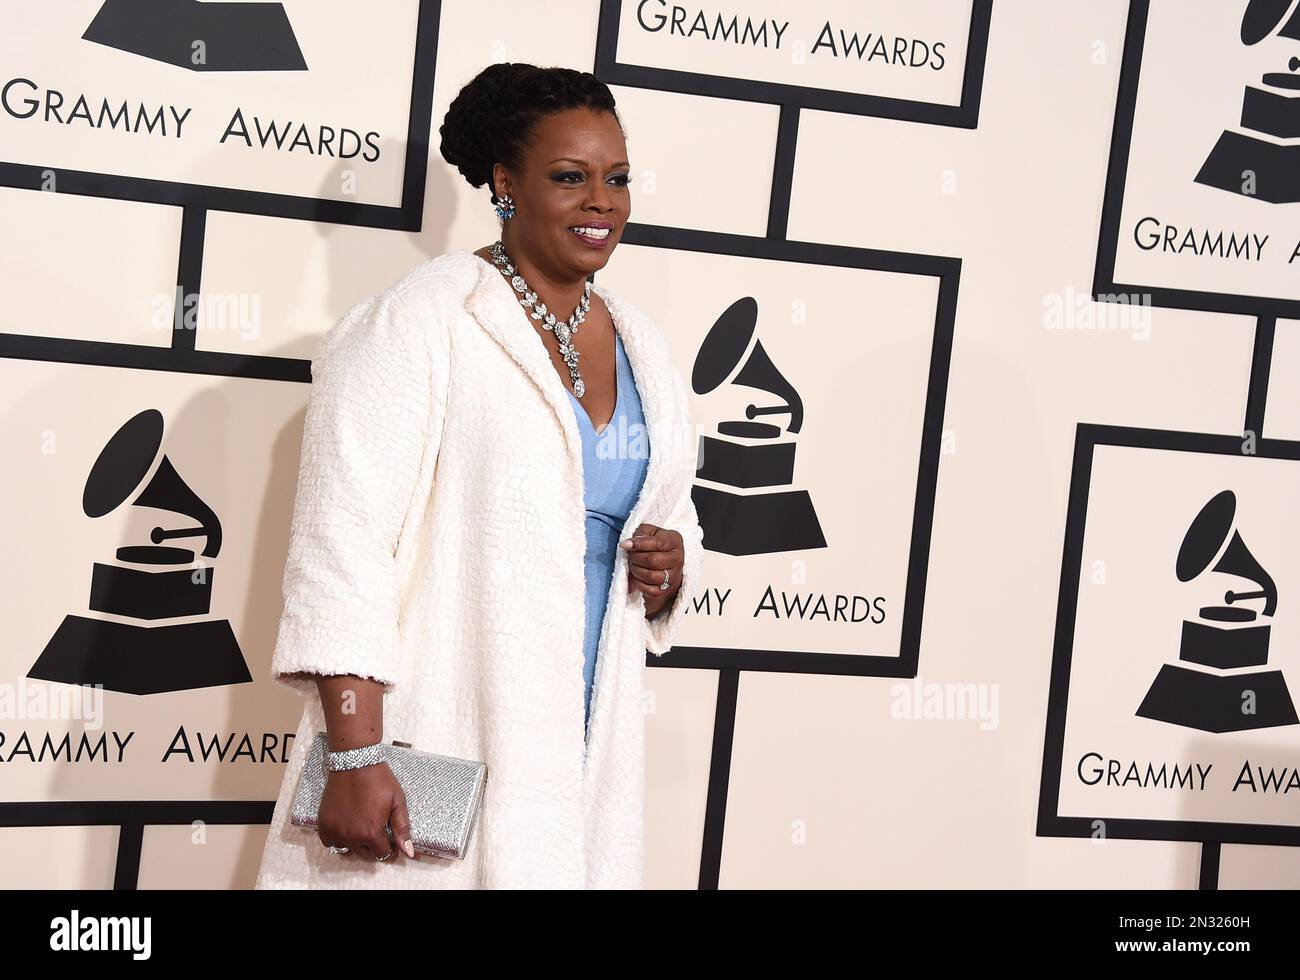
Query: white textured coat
437, 545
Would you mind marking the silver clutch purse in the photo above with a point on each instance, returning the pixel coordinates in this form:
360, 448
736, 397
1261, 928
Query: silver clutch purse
443, 795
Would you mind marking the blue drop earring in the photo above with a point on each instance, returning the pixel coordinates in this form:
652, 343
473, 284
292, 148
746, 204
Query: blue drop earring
506, 208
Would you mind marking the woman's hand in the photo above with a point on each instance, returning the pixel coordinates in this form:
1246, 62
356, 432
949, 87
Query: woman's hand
357, 805
650, 552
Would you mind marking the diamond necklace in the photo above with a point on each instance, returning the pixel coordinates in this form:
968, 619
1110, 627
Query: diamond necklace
564, 330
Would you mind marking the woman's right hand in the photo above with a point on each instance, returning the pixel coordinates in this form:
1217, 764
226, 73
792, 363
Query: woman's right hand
356, 807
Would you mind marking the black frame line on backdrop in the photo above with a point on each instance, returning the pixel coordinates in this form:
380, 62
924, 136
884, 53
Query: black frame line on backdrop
405, 217
715, 807
1104, 285
1050, 821
131, 817
182, 355
1261, 368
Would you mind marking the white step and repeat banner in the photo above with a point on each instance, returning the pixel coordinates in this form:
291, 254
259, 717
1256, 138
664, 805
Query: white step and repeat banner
986, 310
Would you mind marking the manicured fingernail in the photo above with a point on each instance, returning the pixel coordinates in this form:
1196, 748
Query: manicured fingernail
408, 848
625, 543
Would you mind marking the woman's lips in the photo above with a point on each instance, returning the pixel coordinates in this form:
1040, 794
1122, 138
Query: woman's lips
592, 242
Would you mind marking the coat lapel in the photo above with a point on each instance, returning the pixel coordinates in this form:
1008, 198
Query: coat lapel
494, 303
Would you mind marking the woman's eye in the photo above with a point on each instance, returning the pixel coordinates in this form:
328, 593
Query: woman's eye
620, 180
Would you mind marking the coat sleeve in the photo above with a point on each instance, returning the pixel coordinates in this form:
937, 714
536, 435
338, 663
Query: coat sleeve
373, 416
662, 628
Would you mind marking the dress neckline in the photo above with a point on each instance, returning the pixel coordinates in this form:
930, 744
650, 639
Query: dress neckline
618, 389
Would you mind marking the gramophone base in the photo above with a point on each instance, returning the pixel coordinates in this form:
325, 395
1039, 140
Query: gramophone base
1224, 649
1276, 168
140, 594
1212, 702
757, 524
750, 466
257, 38
142, 659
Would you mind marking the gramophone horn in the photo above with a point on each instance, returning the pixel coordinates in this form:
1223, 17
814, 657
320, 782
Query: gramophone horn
1205, 537
759, 372
167, 491
123, 463
724, 346
1262, 16
1237, 560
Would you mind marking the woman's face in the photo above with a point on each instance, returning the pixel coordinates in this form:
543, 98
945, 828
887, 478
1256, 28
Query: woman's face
575, 175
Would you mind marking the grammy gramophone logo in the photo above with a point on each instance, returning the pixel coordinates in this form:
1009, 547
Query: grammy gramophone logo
235, 36
753, 509
1266, 146
1222, 682
143, 650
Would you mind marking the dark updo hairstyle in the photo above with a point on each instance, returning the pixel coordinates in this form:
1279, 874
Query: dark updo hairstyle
491, 119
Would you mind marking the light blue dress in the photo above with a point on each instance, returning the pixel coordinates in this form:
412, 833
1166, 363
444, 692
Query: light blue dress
614, 464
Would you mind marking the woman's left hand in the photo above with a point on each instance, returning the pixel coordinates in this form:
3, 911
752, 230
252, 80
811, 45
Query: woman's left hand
650, 552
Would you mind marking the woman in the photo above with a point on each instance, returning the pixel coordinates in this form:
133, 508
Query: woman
492, 525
